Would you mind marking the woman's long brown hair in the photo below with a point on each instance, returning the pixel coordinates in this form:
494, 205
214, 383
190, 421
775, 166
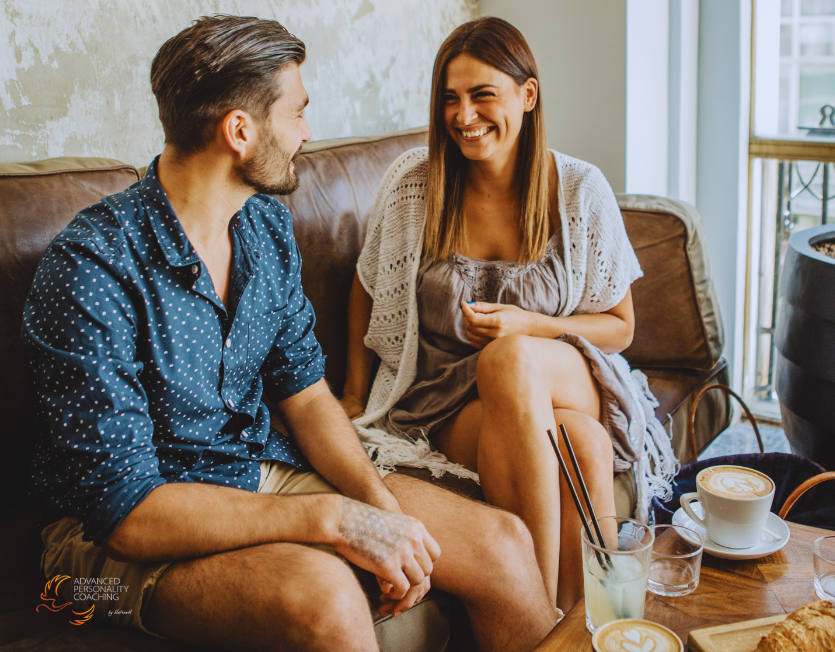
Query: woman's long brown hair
500, 45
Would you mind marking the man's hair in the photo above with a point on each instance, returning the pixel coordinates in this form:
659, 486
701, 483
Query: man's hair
219, 64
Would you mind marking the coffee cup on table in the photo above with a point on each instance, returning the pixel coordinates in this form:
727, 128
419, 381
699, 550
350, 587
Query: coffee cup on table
736, 501
631, 635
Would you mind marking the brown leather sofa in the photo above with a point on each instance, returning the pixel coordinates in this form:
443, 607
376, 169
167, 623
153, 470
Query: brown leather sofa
678, 344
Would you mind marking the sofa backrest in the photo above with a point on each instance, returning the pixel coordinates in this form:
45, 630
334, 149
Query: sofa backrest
37, 200
339, 182
677, 319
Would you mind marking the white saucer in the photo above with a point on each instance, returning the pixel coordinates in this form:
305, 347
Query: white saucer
766, 546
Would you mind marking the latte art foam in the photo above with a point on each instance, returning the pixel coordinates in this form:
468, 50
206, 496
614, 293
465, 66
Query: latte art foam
735, 482
635, 636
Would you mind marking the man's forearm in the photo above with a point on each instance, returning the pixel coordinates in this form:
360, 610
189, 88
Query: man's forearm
185, 520
329, 442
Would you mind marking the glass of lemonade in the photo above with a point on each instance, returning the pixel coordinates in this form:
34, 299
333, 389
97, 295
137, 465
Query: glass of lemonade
615, 575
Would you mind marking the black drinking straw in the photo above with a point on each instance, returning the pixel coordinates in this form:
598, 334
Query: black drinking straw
603, 559
576, 466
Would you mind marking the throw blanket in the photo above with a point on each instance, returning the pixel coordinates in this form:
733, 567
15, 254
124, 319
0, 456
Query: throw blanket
600, 265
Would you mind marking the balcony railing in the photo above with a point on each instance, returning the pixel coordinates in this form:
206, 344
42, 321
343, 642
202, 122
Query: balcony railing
792, 188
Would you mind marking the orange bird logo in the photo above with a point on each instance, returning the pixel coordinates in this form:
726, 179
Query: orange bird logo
51, 599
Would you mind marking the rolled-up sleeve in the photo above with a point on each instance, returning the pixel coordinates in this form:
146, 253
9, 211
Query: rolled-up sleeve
79, 330
295, 361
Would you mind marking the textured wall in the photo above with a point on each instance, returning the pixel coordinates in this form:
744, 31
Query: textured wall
74, 73
579, 46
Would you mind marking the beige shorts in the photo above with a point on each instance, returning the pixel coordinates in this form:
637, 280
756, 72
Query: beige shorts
133, 583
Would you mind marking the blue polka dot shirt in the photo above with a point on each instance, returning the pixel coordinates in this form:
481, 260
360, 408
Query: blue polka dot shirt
144, 376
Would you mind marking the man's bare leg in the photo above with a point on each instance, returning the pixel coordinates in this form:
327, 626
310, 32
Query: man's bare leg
273, 597
487, 559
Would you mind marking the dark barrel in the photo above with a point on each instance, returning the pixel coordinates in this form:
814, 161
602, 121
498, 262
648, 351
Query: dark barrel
805, 347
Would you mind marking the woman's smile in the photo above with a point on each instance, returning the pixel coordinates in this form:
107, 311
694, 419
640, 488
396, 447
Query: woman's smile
471, 134
484, 108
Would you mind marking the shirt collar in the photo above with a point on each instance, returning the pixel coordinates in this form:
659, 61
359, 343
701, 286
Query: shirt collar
172, 239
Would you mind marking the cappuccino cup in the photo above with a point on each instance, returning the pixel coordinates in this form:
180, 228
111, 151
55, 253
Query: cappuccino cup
736, 501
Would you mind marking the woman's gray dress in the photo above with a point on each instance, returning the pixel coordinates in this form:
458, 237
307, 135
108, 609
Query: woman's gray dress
446, 365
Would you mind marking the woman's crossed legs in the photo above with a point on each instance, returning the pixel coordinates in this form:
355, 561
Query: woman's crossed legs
526, 386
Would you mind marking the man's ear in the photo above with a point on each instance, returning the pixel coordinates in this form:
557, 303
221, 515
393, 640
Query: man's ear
238, 129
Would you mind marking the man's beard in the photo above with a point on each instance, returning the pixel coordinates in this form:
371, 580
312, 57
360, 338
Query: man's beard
267, 170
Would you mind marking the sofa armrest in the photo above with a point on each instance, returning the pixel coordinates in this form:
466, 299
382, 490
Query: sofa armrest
677, 319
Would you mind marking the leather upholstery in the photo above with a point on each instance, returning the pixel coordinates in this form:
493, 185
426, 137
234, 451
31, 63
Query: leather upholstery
37, 200
677, 314
339, 182
678, 339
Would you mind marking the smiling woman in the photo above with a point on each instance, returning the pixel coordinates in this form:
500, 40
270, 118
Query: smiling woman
498, 118
509, 318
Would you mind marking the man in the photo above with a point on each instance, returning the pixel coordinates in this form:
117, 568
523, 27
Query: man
159, 321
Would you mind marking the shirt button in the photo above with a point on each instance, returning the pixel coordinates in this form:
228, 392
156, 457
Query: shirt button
228, 342
230, 403
194, 269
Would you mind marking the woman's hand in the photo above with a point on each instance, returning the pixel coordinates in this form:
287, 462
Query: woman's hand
353, 406
486, 322
610, 331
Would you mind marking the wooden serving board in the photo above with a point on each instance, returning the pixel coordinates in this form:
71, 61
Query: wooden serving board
739, 637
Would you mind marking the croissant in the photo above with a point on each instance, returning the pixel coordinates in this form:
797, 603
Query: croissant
809, 629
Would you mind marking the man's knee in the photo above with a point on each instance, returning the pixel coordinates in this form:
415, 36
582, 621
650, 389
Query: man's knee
509, 542
274, 596
332, 611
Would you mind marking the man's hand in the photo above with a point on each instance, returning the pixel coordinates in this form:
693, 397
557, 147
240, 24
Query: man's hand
352, 405
396, 607
486, 322
395, 547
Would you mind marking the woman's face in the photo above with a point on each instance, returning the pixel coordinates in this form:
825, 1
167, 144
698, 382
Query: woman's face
484, 107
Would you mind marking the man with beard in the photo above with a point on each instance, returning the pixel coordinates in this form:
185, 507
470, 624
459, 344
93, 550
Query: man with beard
160, 321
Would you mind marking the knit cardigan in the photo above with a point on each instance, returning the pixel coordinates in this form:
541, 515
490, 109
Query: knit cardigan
600, 265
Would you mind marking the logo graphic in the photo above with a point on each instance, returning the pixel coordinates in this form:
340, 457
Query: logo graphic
51, 599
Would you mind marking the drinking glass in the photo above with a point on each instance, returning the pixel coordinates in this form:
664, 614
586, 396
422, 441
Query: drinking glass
823, 550
615, 574
676, 560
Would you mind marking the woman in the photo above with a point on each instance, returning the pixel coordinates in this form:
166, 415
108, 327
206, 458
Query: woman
494, 281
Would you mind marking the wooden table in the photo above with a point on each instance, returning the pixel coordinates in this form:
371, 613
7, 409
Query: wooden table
729, 592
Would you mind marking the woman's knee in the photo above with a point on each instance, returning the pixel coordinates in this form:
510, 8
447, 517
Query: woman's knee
522, 358
508, 360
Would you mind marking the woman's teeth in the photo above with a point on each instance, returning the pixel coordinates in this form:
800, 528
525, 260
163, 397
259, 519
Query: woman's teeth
475, 133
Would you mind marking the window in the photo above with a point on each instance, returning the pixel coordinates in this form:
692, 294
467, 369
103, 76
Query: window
791, 155
807, 63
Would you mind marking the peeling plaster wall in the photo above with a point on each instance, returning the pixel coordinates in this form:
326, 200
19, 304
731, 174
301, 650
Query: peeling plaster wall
74, 73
